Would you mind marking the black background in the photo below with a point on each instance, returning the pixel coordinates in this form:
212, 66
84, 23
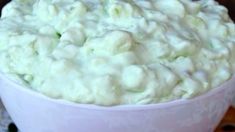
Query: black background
2, 3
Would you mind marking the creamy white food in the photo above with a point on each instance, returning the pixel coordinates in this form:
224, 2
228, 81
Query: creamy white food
110, 52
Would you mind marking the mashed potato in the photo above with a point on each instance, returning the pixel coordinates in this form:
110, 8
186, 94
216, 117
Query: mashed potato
110, 52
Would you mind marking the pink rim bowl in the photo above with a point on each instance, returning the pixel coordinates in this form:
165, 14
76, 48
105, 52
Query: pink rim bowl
34, 112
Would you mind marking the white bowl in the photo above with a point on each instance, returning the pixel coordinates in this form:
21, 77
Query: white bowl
34, 112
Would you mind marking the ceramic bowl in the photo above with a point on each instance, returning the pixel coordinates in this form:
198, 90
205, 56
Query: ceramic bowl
34, 112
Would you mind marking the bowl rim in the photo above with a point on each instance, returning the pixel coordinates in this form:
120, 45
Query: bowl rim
122, 107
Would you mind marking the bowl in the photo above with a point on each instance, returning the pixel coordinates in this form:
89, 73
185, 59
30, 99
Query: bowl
34, 112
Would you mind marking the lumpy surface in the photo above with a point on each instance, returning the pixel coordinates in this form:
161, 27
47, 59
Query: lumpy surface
111, 52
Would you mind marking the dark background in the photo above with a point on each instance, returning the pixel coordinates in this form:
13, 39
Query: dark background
2, 3
230, 4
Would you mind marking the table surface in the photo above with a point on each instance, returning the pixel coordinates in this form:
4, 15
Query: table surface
229, 120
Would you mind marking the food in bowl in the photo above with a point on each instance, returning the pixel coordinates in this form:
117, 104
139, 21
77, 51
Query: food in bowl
112, 52
54, 46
